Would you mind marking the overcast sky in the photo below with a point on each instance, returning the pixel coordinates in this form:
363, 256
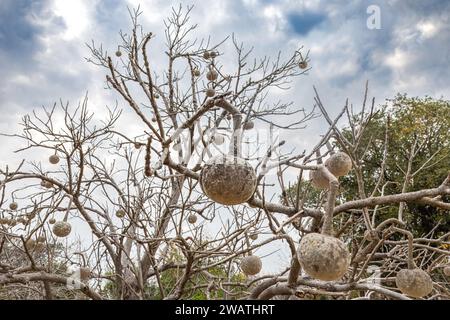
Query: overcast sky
42, 49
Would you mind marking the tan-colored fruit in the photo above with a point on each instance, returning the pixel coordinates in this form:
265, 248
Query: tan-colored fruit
228, 180
339, 164
53, 159
177, 147
118, 53
85, 273
62, 229
52, 221
212, 54
120, 213
196, 72
210, 92
251, 265
206, 55
153, 119
13, 205
414, 282
447, 271
192, 218
30, 244
137, 145
318, 179
248, 125
218, 139
303, 64
46, 184
211, 75
254, 236
323, 257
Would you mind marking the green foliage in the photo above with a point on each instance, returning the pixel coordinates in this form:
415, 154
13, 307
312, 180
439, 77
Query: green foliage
423, 122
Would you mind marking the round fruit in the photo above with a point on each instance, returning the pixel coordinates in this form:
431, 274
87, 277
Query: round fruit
303, 64
192, 218
218, 139
120, 213
156, 96
46, 184
30, 244
13, 205
228, 180
54, 159
414, 282
85, 273
447, 271
323, 257
206, 55
137, 145
177, 147
318, 179
251, 265
211, 75
52, 221
210, 92
62, 229
212, 54
118, 53
339, 164
248, 125
196, 72
254, 236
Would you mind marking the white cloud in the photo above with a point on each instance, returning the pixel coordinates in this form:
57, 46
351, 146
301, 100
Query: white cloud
76, 16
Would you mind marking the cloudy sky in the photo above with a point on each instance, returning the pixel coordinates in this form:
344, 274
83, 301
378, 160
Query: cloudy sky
42, 49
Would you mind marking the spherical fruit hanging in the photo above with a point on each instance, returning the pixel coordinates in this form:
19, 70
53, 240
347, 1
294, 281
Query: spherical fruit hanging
206, 55
211, 75
447, 271
254, 236
192, 218
62, 229
248, 125
414, 282
323, 257
318, 179
85, 273
120, 213
212, 54
228, 180
303, 64
13, 205
339, 164
210, 92
251, 265
137, 145
52, 221
218, 139
53, 159
30, 244
196, 72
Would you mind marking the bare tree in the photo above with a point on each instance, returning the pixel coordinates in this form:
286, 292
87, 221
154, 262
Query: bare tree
188, 198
